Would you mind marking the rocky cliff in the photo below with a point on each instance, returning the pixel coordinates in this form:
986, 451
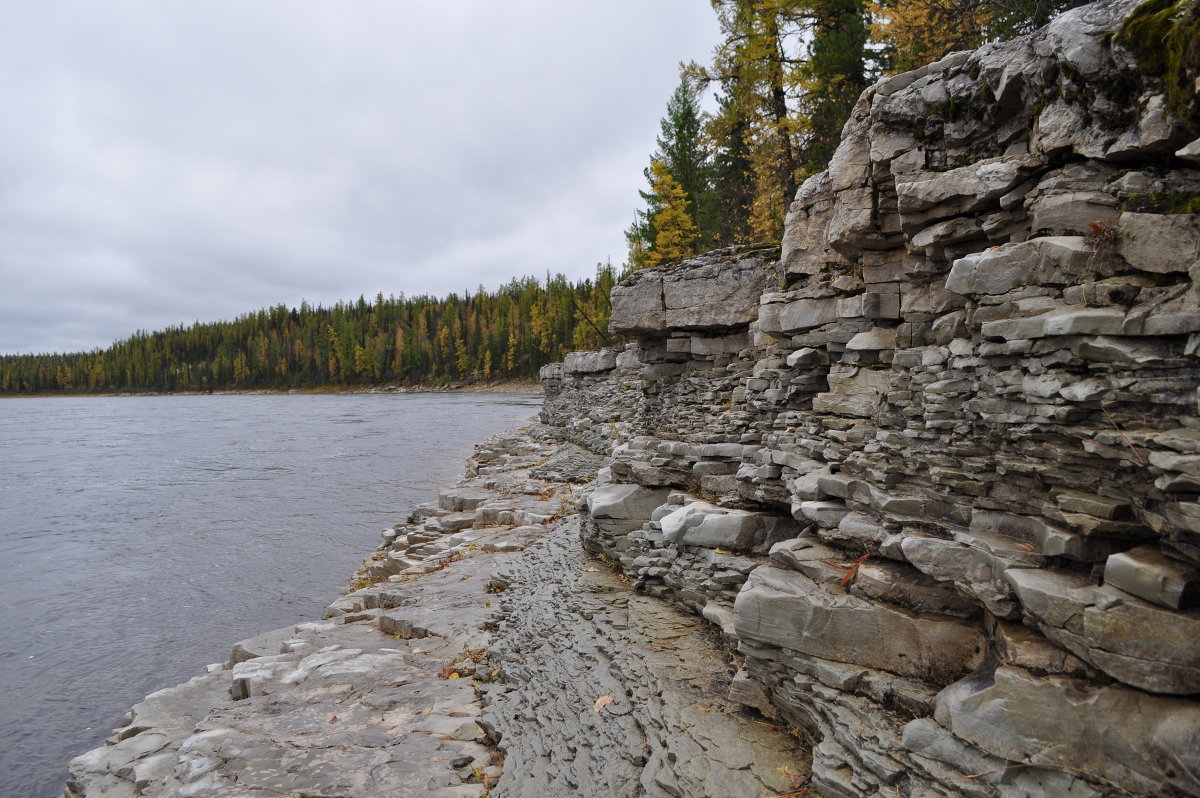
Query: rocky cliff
921, 488
933, 468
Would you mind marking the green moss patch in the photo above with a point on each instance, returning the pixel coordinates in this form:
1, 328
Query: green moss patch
1177, 202
1164, 35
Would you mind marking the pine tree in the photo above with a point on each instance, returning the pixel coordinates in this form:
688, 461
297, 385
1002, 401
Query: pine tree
681, 150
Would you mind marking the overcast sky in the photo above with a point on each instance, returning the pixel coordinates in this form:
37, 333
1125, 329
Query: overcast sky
167, 161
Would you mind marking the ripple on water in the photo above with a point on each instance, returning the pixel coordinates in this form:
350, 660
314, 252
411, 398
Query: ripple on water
140, 537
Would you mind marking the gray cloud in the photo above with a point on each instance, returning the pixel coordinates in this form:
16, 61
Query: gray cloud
168, 162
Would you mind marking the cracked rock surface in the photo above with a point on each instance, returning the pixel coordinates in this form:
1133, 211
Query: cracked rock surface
607, 692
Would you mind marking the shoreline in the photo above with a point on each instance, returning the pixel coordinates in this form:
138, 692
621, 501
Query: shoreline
284, 695
437, 676
531, 387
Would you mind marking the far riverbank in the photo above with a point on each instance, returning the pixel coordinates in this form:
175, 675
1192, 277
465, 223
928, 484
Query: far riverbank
497, 386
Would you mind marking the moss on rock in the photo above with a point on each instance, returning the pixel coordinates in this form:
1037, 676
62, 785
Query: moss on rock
1164, 35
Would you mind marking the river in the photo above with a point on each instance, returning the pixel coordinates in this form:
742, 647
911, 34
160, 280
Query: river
140, 537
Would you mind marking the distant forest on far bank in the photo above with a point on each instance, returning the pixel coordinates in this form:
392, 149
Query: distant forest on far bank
501, 335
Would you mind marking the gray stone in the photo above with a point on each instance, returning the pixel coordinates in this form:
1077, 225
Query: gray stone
970, 564
803, 357
854, 391
1138, 742
1073, 212
1129, 639
1141, 238
789, 610
1190, 152
964, 190
719, 291
1148, 574
702, 524
797, 316
873, 340
625, 502
590, 361
1049, 259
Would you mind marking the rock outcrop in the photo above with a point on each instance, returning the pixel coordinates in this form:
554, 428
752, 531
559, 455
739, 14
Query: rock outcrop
938, 485
921, 487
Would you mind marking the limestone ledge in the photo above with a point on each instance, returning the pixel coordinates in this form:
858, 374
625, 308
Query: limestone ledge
940, 486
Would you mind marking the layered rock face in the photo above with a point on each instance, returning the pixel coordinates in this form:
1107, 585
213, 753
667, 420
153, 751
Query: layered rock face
934, 467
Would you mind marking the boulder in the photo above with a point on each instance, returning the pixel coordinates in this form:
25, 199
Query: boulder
715, 292
788, 609
1149, 574
708, 526
589, 362
624, 507
1049, 259
1140, 743
1140, 239
1131, 640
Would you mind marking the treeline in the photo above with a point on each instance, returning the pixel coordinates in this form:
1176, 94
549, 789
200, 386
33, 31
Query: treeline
785, 77
504, 334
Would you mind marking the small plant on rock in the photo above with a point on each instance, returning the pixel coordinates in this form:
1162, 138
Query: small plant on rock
1102, 239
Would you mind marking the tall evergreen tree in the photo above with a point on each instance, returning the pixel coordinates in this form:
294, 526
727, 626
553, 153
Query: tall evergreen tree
730, 132
834, 77
682, 153
681, 150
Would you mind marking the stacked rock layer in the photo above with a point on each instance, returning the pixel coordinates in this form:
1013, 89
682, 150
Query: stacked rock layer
933, 467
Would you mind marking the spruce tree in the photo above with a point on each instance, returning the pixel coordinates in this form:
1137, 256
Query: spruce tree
732, 190
834, 77
682, 153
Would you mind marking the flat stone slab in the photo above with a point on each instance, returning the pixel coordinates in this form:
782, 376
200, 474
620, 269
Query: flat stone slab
614, 694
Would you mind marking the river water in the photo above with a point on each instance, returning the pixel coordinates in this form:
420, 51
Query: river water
141, 537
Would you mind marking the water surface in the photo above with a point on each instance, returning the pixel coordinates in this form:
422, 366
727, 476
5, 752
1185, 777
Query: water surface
140, 537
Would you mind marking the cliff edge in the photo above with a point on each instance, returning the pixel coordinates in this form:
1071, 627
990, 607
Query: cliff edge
933, 468
918, 491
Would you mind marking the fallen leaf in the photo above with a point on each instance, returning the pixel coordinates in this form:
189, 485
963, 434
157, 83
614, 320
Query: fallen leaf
602, 702
426, 710
853, 571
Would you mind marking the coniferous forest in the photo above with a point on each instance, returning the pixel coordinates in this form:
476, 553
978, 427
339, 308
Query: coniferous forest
783, 81
504, 334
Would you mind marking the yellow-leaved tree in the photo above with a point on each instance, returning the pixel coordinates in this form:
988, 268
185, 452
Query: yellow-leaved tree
676, 232
921, 31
